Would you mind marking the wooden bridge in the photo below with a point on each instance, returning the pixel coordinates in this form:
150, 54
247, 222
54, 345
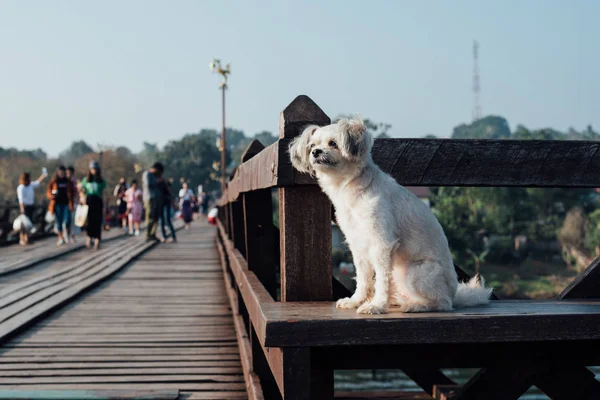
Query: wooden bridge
246, 310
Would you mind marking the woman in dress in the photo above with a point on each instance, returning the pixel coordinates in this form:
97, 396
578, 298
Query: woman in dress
133, 196
185, 197
92, 187
26, 196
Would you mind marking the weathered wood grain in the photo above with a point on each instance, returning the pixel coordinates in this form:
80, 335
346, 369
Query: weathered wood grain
530, 163
305, 244
157, 326
253, 386
90, 394
321, 324
445, 162
302, 111
253, 292
26, 258
55, 299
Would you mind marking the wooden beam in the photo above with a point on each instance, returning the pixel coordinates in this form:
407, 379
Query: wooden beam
284, 365
492, 383
259, 172
253, 386
566, 382
468, 162
253, 292
586, 285
321, 324
437, 162
428, 378
461, 355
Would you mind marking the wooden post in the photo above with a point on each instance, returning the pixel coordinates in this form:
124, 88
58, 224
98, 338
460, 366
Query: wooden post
305, 255
237, 227
259, 229
230, 221
304, 219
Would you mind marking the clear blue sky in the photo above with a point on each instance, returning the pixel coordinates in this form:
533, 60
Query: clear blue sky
121, 72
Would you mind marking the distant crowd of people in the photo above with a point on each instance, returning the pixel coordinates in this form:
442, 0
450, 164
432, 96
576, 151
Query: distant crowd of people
155, 197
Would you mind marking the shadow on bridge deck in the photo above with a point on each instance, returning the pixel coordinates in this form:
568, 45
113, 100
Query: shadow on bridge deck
160, 327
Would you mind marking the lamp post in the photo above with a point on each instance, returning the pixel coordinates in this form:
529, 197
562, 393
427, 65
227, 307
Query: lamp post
215, 66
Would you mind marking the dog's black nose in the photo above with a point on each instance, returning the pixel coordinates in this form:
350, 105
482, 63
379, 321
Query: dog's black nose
317, 152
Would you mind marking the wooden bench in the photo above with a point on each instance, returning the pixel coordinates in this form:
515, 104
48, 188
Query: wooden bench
297, 337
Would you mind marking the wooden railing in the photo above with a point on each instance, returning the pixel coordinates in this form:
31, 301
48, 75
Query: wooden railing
280, 279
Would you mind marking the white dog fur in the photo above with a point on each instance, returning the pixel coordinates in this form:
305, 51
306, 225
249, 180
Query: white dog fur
399, 248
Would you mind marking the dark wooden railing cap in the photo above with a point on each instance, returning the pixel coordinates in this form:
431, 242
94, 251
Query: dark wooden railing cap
299, 113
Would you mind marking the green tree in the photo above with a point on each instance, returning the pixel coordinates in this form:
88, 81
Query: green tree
149, 154
194, 158
77, 150
490, 127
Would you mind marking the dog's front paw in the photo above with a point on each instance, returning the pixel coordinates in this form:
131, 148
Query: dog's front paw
347, 303
372, 308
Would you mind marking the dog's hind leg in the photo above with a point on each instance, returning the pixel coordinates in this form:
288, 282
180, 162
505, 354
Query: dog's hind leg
364, 285
428, 287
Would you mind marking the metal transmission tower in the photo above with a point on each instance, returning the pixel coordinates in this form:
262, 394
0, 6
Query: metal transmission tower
476, 85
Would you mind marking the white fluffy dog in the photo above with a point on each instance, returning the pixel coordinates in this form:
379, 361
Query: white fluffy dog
399, 248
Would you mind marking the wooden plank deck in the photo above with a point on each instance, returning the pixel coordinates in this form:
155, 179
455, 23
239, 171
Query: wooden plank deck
163, 323
16, 258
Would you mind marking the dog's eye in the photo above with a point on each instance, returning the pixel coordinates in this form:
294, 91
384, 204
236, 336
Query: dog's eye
333, 144
312, 145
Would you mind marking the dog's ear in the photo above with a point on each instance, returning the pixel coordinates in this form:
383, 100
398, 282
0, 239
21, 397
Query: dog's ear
355, 140
300, 150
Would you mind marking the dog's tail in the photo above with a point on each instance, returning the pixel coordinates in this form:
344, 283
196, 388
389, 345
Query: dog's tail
472, 293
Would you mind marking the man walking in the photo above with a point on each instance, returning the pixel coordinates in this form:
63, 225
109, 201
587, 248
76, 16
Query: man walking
152, 198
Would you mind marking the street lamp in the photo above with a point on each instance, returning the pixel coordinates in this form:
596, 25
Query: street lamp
215, 66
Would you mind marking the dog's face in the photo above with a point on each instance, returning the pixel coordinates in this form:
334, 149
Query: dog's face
332, 148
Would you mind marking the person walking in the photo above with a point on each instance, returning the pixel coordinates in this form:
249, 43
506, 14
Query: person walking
26, 197
75, 188
186, 196
133, 197
60, 194
165, 215
204, 199
152, 198
119, 195
92, 187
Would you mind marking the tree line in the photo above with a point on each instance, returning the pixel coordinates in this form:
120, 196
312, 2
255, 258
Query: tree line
510, 225
194, 158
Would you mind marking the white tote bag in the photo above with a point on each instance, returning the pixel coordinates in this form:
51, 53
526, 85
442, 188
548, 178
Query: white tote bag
81, 215
22, 224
